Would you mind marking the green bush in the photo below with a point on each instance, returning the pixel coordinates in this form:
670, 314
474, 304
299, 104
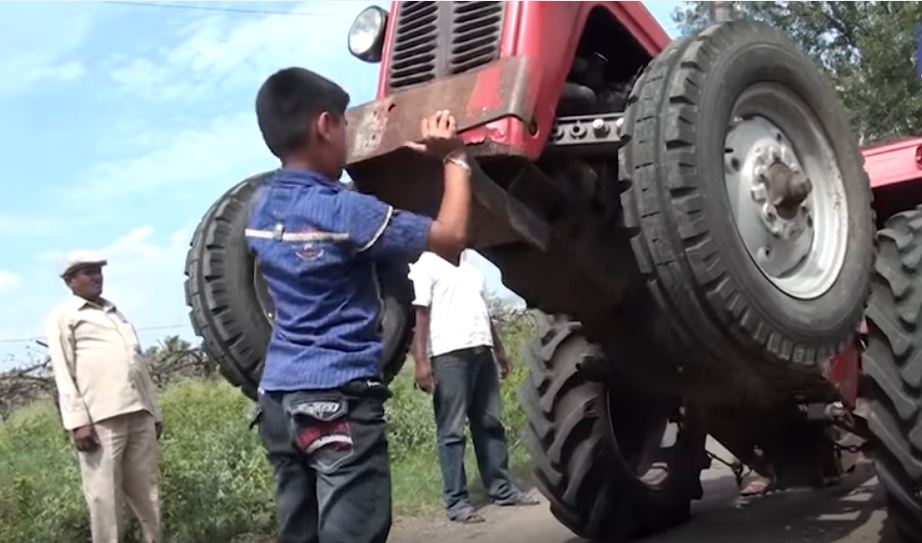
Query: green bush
41, 498
216, 484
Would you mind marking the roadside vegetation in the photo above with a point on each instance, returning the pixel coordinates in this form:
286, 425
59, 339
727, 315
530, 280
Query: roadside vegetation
216, 483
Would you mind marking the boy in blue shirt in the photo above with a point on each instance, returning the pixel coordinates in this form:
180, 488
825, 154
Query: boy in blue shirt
317, 244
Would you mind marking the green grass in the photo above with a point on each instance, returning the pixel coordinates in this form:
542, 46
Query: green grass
216, 483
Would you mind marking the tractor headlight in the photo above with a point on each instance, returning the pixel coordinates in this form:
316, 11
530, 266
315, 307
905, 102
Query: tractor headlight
366, 37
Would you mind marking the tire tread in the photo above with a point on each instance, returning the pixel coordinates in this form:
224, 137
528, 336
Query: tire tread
892, 362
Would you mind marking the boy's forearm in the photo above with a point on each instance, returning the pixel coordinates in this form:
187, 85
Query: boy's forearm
448, 235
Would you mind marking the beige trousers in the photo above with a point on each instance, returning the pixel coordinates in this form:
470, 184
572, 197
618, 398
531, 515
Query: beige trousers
124, 468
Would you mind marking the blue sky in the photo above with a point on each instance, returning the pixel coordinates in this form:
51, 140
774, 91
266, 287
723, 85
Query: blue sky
120, 124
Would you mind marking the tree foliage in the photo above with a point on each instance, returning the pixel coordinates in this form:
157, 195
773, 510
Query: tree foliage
867, 49
171, 359
174, 358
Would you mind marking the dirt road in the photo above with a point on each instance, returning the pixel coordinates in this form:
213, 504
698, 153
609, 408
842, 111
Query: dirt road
852, 512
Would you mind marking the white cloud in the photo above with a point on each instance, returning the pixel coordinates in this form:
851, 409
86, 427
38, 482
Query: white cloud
40, 42
20, 225
214, 70
185, 161
22, 72
215, 54
66, 71
144, 278
8, 280
69, 71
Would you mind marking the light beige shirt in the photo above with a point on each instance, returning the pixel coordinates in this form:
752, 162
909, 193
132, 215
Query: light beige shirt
95, 357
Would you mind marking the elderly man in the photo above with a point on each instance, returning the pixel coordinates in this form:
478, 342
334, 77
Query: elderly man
455, 359
108, 402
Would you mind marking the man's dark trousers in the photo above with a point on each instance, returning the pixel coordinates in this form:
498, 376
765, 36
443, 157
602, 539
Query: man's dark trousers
467, 383
337, 493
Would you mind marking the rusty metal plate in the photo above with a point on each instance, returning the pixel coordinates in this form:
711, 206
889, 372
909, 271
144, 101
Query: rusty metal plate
474, 98
414, 182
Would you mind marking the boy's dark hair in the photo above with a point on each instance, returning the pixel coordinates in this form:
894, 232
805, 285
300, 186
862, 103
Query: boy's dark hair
288, 100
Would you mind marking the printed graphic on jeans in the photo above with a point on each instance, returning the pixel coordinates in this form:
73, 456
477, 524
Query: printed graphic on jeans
322, 425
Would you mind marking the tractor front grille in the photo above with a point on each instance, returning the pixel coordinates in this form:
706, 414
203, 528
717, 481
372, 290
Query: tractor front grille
437, 39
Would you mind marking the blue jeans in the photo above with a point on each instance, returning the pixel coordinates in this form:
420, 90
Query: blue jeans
334, 493
467, 384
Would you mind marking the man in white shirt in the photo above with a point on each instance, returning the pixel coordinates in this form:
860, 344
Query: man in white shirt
454, 352
108, 401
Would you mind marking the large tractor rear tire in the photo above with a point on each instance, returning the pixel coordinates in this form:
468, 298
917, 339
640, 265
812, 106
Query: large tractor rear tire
231, 309
748, 198
602, 453
893, 361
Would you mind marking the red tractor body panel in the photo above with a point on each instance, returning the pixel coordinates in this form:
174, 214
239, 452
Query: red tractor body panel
844, 370
548, 63
894, 163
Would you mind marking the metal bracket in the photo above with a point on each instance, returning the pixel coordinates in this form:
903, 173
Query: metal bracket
587, 134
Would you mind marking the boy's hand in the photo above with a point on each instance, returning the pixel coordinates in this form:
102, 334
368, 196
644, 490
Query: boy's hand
439, 136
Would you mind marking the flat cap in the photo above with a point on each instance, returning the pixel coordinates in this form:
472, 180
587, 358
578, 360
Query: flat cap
81, 258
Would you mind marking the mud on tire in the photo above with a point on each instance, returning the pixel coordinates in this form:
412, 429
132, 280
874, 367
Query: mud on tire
744, 82
893, 361
230, 308
588, 441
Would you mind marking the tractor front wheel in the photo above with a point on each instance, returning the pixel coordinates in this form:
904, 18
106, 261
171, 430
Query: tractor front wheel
748, 200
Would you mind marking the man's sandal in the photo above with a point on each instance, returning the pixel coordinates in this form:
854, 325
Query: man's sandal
468, 516
759, 486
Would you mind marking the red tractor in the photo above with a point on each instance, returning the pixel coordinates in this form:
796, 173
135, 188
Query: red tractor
694, 221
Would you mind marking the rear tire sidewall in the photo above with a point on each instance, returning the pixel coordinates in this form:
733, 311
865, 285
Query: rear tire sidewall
240, 278
240, 360
814, 320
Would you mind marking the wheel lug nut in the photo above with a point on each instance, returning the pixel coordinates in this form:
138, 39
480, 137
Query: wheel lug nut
758, 193
600, 127
769, 213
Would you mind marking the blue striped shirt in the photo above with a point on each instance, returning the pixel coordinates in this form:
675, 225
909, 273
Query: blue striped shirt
316, 245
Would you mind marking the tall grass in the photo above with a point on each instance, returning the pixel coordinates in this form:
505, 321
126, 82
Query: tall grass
216, 485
